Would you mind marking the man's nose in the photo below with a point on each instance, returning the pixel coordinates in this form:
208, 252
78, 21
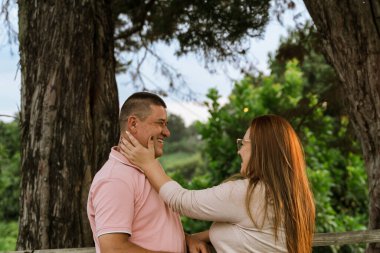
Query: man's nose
166, 132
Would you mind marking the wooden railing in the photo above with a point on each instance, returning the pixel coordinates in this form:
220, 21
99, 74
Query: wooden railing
326, 239
320, 239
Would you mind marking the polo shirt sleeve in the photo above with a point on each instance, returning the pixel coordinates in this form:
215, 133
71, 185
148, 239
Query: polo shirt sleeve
113, 202
220, 203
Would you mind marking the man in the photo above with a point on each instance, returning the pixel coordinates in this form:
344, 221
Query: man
125, 212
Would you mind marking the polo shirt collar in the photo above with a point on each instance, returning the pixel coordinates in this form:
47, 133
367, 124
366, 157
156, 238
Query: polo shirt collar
116, 155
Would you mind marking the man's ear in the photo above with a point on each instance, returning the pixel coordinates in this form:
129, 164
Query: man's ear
132, 124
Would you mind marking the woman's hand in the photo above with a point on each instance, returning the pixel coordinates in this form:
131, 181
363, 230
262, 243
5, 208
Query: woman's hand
145, 159
136, 153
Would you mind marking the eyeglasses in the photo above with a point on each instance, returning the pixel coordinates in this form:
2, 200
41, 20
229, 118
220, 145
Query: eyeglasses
239, 143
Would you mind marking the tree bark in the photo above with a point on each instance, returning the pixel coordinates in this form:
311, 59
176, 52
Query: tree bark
69, 115
350, 32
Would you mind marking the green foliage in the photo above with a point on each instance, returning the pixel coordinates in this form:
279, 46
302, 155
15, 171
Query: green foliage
215, 28
182, 139
177, 128
9, 137
305, 45
338, 179
8, 235
9, 171
9, 184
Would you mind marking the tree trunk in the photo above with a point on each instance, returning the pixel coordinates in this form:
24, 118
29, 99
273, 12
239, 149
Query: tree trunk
350, 32
69, 115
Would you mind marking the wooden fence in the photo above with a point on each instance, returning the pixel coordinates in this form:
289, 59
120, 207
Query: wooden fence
320, 239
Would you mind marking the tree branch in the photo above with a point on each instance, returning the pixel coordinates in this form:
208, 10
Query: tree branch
137, 28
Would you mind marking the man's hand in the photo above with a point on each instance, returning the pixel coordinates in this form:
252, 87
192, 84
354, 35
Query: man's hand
196, 246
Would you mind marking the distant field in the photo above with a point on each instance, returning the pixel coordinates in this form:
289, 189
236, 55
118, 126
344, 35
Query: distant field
178, 160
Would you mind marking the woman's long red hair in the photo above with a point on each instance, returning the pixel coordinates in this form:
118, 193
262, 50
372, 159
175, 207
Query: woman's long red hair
277, 161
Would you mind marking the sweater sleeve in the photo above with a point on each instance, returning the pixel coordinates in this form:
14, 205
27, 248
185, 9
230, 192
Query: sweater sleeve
221, 203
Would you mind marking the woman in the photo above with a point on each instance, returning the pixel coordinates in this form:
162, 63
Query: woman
270, 210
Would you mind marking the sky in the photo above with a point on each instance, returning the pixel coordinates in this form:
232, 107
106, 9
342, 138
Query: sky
192, 69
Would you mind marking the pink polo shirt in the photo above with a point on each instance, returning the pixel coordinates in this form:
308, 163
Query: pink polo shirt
121, 200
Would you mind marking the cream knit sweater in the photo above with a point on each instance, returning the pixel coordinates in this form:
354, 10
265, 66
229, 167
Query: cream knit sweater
232, 230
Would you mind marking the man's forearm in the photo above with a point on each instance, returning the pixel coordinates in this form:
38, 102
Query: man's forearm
119, 243
129, 247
